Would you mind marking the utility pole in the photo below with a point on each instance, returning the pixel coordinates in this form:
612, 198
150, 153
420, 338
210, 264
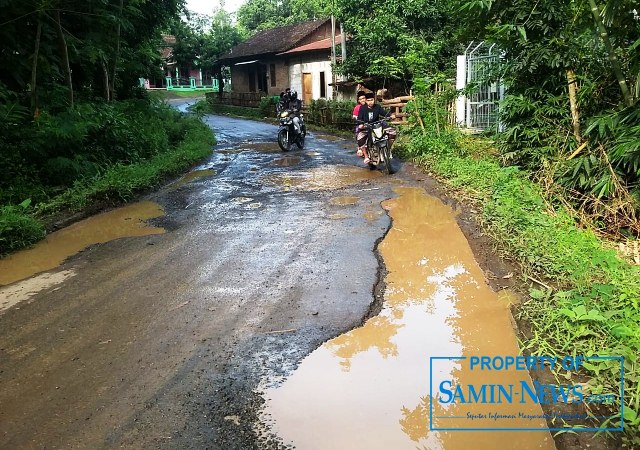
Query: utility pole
343, 44
333, 56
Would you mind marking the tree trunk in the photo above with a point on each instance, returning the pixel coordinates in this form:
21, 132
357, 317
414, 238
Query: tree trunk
615, 64
575, 114
112, 86
437, 120
34, 68
65, 58
220, 83
105, 73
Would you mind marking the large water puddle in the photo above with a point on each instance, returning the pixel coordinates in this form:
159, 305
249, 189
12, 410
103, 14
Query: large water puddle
324, 177
346, 200
56, 247
287, 161
190, 176
370, 388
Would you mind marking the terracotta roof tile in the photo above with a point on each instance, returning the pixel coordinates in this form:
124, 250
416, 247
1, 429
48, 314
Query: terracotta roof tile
274, 40
317, 45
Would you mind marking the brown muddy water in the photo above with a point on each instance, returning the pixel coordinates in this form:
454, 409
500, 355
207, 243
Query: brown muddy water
371, 215
287, 161
58, 246
325, 177
189, 177
344, 200
369, 388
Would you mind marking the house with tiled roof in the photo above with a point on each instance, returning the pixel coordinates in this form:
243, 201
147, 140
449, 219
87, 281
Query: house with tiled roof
296, 56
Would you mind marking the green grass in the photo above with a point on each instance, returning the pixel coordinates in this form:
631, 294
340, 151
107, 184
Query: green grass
186, 94
122, 182
18, 228
593, 305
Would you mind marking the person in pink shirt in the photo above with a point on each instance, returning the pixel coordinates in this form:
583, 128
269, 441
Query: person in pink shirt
361, 101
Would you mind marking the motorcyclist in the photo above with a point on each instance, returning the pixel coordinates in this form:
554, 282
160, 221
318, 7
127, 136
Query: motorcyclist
295, 106
283, 103
372, 112
361, 101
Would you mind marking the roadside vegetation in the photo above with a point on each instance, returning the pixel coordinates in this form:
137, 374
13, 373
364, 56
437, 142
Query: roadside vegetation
94, 156
76, 134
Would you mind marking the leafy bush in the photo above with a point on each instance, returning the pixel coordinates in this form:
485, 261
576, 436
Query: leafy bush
95, 152
18, 228
54, 150
268, 106
121, 182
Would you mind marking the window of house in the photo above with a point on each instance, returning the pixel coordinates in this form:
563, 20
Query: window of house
262, 78
323, 85
272, 74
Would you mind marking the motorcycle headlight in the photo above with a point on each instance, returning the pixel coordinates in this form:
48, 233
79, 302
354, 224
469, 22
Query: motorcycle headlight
284, 114
377, 132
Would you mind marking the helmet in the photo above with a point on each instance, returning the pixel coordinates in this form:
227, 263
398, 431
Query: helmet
293, 96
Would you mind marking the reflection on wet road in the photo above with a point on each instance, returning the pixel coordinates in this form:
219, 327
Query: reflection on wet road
376, 377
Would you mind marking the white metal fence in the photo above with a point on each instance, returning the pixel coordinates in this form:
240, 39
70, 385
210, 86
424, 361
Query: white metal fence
477, 71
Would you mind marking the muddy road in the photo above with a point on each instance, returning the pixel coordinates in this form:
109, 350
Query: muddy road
263, 300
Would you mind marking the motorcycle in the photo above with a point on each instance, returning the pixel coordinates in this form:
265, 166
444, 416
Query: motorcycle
287, 134
378, 145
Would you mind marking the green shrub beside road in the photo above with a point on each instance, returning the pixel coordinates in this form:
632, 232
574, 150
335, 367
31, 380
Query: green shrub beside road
95, 154
121, 182
17, 228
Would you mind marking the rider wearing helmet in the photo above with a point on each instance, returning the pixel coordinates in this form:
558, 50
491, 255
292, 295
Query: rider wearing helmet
295, 106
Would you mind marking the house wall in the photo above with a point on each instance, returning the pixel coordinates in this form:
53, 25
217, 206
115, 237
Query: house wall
323, 32
197, 75
313, 64
282, 75
240, 76
239, 79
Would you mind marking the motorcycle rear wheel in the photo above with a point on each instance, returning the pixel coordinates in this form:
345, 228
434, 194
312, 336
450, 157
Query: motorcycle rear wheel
283, 140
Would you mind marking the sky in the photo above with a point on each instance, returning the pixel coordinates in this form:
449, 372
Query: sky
207, 6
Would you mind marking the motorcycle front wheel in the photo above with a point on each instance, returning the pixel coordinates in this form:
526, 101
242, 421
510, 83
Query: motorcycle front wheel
386, 154
283, 140
300, 140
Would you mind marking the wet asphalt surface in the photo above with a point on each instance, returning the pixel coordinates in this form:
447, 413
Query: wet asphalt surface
161, 341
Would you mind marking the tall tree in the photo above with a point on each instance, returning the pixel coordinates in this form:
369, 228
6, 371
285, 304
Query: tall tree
257, 15
64, 51
399, 39
222, 36
91, 39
